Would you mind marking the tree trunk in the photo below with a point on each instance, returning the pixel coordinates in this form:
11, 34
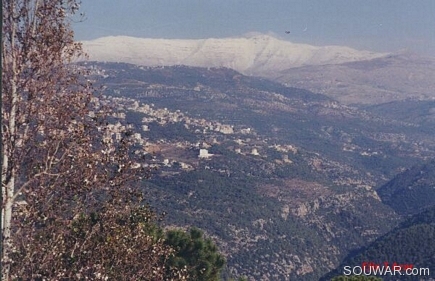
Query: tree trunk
8, 169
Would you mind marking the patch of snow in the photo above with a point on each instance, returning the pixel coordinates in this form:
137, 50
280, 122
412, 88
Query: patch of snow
252, 54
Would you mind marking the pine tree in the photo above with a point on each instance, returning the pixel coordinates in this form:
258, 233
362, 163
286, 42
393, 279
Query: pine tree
197, 254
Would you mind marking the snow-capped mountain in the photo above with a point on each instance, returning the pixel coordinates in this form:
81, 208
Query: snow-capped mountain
253, 54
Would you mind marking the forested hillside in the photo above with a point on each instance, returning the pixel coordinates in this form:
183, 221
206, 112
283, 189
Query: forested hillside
411, 243
283, 179
411, 191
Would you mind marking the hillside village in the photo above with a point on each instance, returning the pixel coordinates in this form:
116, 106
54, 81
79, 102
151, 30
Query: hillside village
245, 139
198, 131
220, 143
188, 156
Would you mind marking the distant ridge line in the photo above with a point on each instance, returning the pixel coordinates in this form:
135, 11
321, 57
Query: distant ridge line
256, 54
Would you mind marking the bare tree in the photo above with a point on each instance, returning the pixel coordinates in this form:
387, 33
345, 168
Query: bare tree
70, 208
33, 75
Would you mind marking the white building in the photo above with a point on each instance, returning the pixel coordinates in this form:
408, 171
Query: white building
203, 153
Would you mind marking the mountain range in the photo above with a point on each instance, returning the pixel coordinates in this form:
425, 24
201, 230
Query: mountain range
254, 54
291, 157
347, 75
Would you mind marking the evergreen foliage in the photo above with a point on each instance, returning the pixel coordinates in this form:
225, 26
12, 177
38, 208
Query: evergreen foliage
412, 191
198, 254
411, 243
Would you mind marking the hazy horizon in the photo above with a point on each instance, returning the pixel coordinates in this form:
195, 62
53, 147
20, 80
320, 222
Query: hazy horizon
380, 26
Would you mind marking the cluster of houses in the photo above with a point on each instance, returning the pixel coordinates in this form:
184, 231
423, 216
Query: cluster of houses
208, 129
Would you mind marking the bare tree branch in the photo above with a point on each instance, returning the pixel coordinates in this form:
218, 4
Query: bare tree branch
70, 205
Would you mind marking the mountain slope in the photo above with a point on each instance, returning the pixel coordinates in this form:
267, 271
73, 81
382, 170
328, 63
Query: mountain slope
280, 177
411, 243
347, 75
412, 190
255, 54
380, 80
421, 113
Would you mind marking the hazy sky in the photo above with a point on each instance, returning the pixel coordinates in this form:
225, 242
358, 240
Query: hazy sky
379, 25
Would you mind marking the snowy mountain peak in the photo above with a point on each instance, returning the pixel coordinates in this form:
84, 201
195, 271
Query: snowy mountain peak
254, 53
